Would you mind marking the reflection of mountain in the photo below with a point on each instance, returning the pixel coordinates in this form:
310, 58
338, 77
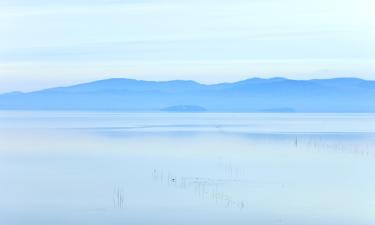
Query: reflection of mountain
252, 95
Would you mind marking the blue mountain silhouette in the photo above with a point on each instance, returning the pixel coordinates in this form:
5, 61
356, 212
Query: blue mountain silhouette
251, 95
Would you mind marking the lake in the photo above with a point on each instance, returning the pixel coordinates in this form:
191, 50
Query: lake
111, 168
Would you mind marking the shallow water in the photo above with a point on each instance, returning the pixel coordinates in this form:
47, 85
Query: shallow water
175, 168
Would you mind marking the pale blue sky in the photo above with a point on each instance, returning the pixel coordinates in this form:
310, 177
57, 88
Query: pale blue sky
47, 43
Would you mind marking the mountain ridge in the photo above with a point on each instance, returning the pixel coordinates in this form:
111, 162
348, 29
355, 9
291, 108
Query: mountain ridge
250, 95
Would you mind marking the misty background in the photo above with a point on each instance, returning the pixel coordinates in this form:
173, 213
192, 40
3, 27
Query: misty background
56, 43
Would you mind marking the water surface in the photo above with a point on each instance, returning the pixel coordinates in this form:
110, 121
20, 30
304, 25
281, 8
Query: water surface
177, 168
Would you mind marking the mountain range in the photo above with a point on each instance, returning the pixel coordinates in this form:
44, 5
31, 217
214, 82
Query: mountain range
251, 95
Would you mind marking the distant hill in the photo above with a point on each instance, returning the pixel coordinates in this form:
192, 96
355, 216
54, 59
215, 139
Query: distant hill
251, 95
184, 108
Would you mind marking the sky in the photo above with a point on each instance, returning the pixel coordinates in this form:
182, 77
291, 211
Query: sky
46, 43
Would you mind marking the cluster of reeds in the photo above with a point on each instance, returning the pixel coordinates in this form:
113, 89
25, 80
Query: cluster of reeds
118, 198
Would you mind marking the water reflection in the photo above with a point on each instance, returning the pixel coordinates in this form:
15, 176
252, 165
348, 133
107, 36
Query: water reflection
100, 168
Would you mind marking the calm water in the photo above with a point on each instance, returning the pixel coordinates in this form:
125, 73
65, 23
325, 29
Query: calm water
76, 168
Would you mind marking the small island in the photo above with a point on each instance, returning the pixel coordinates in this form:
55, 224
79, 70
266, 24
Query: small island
184, 108
278, 110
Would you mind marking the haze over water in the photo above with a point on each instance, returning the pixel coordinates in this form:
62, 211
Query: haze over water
179, 168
